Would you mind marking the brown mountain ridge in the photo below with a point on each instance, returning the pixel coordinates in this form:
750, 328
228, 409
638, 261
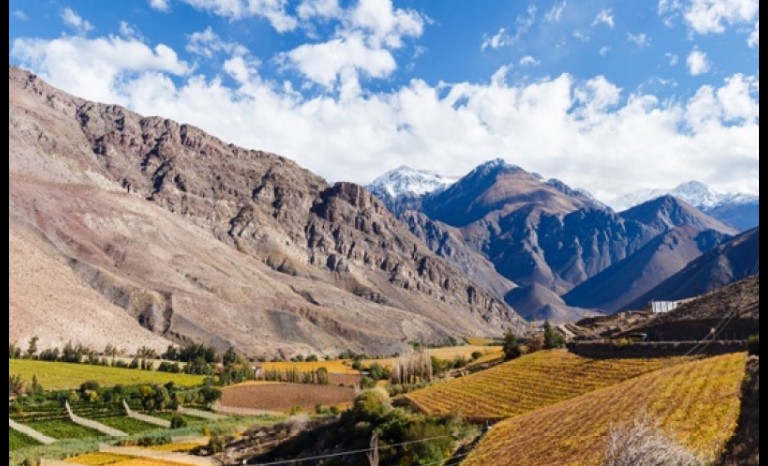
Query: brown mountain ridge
135, 230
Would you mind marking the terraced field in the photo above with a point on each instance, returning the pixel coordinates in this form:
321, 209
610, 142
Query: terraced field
127, 424
63, 375
528, 383
18, 440
695, 403
61, 429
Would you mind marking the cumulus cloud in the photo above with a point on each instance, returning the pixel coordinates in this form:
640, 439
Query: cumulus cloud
160, 5
274, 11
362, 46
323, 9
75, 21
502, 38
589, 133
91, 67
641, 40
709, 16
20, 15
698, 63
604, 50
207, 43
604, 16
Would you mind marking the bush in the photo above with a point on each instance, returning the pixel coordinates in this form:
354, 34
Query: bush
178, 421
753, 344
476, 355
552, 338
643, 444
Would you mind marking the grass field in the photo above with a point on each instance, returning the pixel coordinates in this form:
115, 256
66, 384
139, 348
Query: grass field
528, 383
61, 429
167, 415
18, 440
695, 403
127, 424
337, 366
62, 375
479, 341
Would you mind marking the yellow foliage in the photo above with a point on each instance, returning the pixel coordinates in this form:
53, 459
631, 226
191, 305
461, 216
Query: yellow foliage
97, 459
695, 403
528, 383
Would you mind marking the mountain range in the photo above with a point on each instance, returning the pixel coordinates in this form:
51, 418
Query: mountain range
135, 230
141, 231
567, 254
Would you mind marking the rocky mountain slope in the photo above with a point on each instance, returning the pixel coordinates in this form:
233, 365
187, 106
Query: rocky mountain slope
660, 258
193, 239
730, 261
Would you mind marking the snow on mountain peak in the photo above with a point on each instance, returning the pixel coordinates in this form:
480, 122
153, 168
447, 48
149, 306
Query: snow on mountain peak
406, 180
696, 193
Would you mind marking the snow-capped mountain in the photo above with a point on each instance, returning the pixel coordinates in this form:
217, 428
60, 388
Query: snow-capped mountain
738, 209
403, 187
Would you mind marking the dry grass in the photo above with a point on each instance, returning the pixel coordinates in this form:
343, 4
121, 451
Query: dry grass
528, 383
62, 375
179, 447
98, 459
479, 341
696, 404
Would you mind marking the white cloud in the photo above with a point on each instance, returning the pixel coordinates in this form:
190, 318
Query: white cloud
641, 40
529, 61
711, 16
754, 36
604, 50
581, 35
554, 13
499, 77
672, 58
503, 39
361, 46
128, 31
323, 9
20, 15
161, 5
207, 43
697, 62
604, 16
90, 67
274, 11
587, 133
75, 21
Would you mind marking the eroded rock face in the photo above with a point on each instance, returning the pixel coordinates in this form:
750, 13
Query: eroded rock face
235, 246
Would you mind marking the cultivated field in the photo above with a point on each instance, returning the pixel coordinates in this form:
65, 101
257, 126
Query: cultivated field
127, 424
61, 429
336, 366
284, 396
528, 383
62, 375
696, 403
18, 440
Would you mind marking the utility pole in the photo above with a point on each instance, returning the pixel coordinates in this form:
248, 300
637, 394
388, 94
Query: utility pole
373, 455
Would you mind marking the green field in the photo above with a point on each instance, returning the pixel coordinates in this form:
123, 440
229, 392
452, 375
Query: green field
62, 375
167, 415
60, 429
18, 440
127, 424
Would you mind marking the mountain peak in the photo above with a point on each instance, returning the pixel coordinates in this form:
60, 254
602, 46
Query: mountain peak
493, 166
405, 180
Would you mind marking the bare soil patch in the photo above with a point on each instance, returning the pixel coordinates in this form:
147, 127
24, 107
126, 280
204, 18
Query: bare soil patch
284, 396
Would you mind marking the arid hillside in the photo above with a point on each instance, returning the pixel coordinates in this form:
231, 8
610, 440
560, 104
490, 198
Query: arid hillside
137, 230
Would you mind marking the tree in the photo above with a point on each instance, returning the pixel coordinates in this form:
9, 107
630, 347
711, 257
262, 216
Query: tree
32, 348
552, 339
510, 346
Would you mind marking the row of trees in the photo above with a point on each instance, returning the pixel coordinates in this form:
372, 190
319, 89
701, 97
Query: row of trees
549, 339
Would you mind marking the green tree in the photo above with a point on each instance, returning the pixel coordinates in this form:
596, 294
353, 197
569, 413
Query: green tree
32, 348
552, 338
15, 385
511, 347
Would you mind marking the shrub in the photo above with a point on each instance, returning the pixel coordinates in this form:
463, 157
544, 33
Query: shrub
642, 443
476, 355
753, 344
178, 421
552, 338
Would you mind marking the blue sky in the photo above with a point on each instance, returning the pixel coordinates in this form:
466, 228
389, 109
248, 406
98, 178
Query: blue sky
607, 96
